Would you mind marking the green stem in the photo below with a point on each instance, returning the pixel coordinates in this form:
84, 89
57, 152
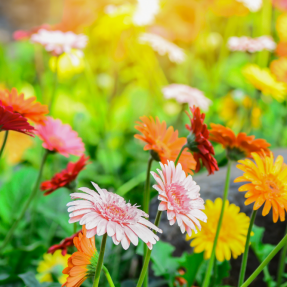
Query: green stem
32, 195
146, 207
212, 257
75, 227
245, 254
147, 257
177, 159
4, 142
55, 84
281, 264
280, 245
100, 261
109, 278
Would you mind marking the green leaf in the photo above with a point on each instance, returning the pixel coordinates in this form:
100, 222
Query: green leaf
29, 279
222, 271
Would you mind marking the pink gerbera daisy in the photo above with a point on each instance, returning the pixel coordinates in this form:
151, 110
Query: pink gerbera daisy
179, 196
59, 137
109, 213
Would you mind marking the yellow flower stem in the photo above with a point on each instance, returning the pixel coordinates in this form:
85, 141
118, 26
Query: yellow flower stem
147, 257
212, 257
55, 84
100, 261
32, 195
108, 276
282, 264
177, 159
146, 207
4, 142
279, 246
245, 254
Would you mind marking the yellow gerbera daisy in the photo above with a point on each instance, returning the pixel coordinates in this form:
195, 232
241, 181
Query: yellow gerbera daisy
232, 236
263, 80
281, 27
50, 269
267, 183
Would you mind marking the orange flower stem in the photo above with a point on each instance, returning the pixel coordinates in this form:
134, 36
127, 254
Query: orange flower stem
32, 195
212, 257
177, 159
279, 246
108, 276
55, 84
245, 254
100, 261
282, 264
4, 143
147, 257
146, 207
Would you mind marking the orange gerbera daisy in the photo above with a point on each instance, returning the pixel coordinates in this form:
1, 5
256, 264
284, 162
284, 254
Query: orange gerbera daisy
82, 264
267, 183
164, 143
28, 108
279, 69
237, 146
281, 49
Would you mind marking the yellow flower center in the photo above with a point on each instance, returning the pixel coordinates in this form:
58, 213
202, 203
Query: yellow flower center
55, 141
116, 211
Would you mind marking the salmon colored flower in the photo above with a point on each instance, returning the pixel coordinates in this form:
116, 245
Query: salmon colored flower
59, 137
164, 143
232, 235
66, 177
179, 196
237, 146
281, 49
109, 213
10, 121
28, 108
280, 4
82, 264
266, 183
279, 69
63, 245
198, 141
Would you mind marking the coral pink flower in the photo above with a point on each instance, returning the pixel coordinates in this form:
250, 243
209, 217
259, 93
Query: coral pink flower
10, 121
280, 4
107, 212
65, 177
59, 137
58, 42
179, 196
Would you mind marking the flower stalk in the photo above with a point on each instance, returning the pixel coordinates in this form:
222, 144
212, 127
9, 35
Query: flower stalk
282, 264
180, 152
4, 143
108, 276
246, 250
212, 258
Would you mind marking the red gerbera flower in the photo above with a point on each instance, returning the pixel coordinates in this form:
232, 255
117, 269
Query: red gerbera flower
64, 244
198, 141
10, 121
65, 177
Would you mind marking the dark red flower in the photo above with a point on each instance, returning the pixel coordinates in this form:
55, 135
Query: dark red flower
198, 141
65, 177
10, 121
63, 245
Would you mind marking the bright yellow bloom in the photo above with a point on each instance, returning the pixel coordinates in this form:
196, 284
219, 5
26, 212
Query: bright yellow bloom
232, 236
266, 182
281, 27
263, 80
52, 266
279, 69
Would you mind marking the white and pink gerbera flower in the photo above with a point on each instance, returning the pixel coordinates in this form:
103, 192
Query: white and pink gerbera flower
59, 137
109, 213
179, 196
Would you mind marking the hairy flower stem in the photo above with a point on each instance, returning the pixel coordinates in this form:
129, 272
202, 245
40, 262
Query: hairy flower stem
177, 159
280, 245
146, 207
282, 263
32, 195
100, 261
108, 276
212, 257
245, 254
55, 84
4, 142
147, 257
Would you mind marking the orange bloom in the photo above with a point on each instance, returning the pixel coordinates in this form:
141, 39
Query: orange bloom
267, 183
164, 143
279, 69
281, 49
237, 146
82, 264
28, 108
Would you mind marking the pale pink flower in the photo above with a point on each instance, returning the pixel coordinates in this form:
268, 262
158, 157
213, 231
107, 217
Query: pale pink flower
187, 95
252, 5
59, 137
163, 47
58, 42
109, 213
179, 196
251, 45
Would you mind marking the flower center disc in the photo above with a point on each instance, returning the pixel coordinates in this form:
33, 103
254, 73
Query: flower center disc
55, 141
176, 196
114, 211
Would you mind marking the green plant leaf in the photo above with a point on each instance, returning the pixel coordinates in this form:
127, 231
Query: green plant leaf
222, 271
29, 279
